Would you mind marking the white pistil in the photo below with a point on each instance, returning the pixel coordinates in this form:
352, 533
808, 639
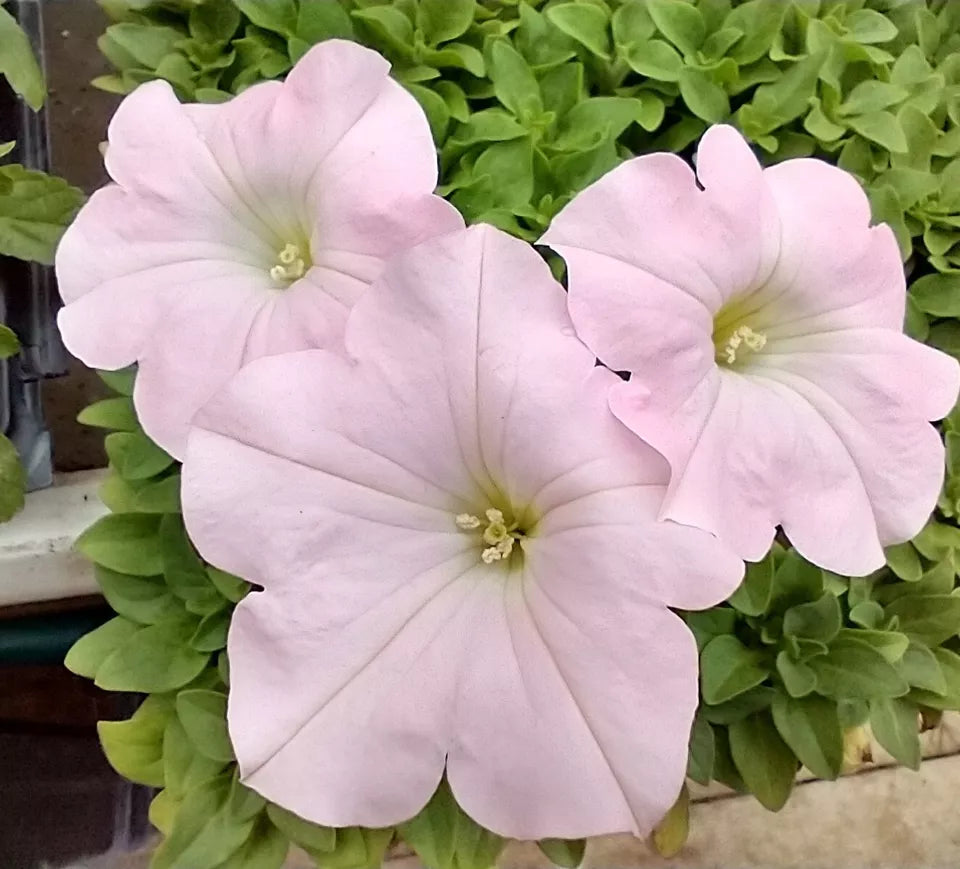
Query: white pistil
290, 265
496, 533
743, 340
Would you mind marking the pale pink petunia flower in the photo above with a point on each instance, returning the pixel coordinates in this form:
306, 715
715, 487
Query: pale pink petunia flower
244, 229
461, 564
760, 317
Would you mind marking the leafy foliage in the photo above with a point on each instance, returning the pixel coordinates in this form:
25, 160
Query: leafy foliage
530, 101
798, 656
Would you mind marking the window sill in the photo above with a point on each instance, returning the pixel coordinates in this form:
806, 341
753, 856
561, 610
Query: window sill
37, 558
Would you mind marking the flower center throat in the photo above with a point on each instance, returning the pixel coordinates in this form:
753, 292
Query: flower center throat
496, 532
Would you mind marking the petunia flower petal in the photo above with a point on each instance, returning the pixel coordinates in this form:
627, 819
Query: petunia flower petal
645, 211
333, 168
760, 318
383, 646
588, 708
834, 270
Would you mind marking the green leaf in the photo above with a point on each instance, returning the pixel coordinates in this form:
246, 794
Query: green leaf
163, 810
211, 633
13, 480
434, 107
155, 659
703, 749
244, 802
632, 23
950, 669
214, 21
566, 853
921, 669
739, 707
303, 833
597, 118
184, 768
798, 678
670, 834
134, 748
389, 25
818, 125
867, 26
185, 572
508, 167
789, 96
204, 831
679, 22
135, 456
872, 96
796, 581
584, 22
266, 847
443, 20
112, 413
853, 669
319, 20
91, 650
728, 668
929, 619
654, 59
763, 759
356, 848
882, 128
703, 96
915, 322
718, 43
895, 724
889, 643
145, 600
444, 837
120, 381
513, 81
231, 587
811, 728
146, 44
203, 715
488, 125
543, 44
455, 99
124, 542
911, 185
867, 614
9, 343
162, 496
724, 769
903, 561
819, 620
760, 21
937, 541
707, 624
280, 16
18, 63
35, 208
937, 294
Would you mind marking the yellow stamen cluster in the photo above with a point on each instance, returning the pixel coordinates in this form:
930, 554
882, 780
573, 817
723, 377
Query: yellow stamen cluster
290, 265
497, 534
743, 340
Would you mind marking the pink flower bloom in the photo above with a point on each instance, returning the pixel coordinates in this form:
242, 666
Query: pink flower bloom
760, 318
461, 563
244, 229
